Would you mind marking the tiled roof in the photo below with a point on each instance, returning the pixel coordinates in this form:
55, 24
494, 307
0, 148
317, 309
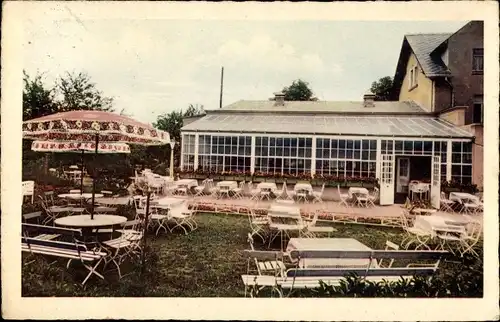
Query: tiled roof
404, 126
345, 107
423, 45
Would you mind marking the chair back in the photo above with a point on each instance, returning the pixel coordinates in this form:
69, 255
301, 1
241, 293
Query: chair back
28, 188
376, 192
323, 188
315, 218
388, 246
241, 185
443, 195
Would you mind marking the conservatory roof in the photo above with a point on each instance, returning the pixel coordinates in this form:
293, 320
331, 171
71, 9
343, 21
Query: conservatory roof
405, 126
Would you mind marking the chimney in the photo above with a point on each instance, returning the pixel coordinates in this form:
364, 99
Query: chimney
369, 99
279, 99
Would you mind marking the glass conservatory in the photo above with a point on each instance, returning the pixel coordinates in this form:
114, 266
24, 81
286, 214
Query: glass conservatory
389, 148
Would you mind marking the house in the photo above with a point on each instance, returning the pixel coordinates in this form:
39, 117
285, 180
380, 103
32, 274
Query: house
360, 139
443, 73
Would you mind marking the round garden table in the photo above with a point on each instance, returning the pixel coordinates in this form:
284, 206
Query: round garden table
84, 221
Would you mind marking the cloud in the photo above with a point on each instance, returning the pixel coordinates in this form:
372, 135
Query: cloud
269, 54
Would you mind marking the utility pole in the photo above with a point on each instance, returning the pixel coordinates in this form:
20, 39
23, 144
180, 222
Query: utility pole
221, 86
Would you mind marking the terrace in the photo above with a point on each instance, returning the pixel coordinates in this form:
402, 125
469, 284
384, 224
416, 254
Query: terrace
209, 259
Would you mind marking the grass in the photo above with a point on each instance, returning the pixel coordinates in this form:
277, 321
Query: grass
206, 263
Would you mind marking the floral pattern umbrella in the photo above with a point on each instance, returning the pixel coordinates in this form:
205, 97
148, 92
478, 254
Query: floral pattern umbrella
87, 147
88, 126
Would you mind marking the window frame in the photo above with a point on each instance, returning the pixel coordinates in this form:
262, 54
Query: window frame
477, 53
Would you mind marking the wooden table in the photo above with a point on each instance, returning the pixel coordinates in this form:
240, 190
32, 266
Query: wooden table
331, 244
84, 221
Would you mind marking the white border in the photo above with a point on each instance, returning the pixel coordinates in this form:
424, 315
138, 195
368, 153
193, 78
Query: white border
236, 309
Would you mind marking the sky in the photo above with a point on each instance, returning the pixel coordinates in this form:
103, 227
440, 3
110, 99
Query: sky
151, 67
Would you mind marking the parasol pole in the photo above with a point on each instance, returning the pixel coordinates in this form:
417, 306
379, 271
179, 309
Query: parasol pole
95, 175
81, 175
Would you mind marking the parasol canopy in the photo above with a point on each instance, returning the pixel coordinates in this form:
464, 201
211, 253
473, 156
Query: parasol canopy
86, 147
83, 126
88, 126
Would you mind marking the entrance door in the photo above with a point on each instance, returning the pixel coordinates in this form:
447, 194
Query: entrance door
436, 182
387, 179
403, 177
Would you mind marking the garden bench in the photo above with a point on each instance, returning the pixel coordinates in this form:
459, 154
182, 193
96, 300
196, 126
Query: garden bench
44, 244
300, 278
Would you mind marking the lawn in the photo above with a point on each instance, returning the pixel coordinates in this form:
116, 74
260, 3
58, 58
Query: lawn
206, 263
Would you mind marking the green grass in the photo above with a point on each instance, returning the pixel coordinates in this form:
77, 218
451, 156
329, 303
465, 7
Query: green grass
205, 263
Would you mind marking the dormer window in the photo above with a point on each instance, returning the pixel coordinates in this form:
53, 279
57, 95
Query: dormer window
413, 78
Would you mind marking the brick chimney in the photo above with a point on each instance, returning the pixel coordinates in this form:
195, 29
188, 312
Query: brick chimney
369, 99
279, 99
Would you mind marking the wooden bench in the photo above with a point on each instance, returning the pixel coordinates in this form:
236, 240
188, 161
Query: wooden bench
299, 278
43, 244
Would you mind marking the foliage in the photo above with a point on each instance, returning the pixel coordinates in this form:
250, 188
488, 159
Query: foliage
38, 100
298, 91
382, 88
209, 262
450, 282
79, 93
446, 186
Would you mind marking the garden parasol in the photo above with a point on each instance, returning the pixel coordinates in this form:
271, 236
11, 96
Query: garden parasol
93, 126
79, 147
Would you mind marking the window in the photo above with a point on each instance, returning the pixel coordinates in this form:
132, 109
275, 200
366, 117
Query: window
351, 158
283, 155
188, 144
477, 109
461, 162
477, 60
413, 77
224, 153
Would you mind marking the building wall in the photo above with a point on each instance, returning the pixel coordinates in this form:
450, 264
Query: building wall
422, 92
455, 116
443, 94
466, 84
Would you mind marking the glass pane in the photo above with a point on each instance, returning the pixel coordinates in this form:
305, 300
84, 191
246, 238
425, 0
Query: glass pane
265, 141
373, 145
279, 142
341, 154
272, 151
365, 155
326, 154
408, 146
398, 146
286, 142
365, 145
456, 147
357, 154
334, 154
294, 142
308, 152
334, 144
467, 147
357, 144
467, 158
227, 149
428, 146
455, 170
348, 154
293, 152
302, 142
326, 144
279, 150
258, 141
272, 141
373, 155
418, 146
248, 150
286, 151
342, 144
456, 157
301, 152
349, 144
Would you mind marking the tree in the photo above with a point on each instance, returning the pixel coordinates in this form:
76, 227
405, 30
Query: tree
194, 110
79, 93
38, 100
382, 88
298, 91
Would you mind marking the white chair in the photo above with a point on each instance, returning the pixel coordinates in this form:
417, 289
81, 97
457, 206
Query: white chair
51, 211
182, 217
373, 198
388, 246
277, 267
255, 193
362, 200
279, 193
302, 194
29, 189
290, 194
344, 197
258, 224
445, 203
311, 230
318, 195
414, 235
471, 238
238, 192
200, 190
468, 207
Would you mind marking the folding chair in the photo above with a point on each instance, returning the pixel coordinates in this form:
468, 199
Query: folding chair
257, 224
471, 238
445, 203
255, 193
373, 198
182, 217
200, 190
318, 195
414, 234
388, 246
279, 193
277, 267
290, 194
238, 192
344, 198
311, 230
302, 194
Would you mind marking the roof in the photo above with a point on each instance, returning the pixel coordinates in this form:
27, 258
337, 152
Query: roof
312, 107
404, 126
423, 45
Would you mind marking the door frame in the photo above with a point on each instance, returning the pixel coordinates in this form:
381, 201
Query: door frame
387, 178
